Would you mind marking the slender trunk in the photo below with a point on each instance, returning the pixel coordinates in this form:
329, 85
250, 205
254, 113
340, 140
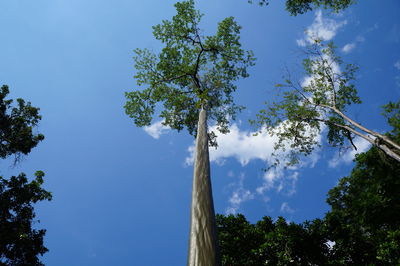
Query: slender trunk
203, 243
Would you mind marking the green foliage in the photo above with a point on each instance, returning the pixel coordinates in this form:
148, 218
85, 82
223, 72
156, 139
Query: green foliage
365, 205
362, 224
191, 71
392, 113
19, 242
296, 7
389, 250
269, 243
16, 126
305, 109
238, 240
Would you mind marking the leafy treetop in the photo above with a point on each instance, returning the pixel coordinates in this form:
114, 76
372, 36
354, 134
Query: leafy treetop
20, 243
296, 7
320, 101
16, 126
190, 72
20, 240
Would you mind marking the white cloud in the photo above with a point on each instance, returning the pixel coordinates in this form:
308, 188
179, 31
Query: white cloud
397, 78
285, 208
322, 28
281, 180
242, 145
374, 27
156, 129
301, 42
359, 39
239, 195
349, 47
397, 64
245, 146
348, 156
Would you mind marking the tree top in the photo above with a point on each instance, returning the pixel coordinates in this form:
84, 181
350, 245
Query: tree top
191, 71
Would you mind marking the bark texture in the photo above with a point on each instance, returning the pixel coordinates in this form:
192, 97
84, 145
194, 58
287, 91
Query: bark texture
203, 243
381, 141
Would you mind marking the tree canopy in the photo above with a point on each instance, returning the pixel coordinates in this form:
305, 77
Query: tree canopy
365, 206
361, 227
20, 242
271, 243
16, 126
191, 71
306, 108
296, 7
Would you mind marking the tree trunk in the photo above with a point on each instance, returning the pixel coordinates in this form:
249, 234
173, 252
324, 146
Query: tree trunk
389, 147
203, 243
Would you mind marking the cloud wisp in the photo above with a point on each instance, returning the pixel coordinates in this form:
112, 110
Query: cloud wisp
238, 196
349, 47
246, 146
241, 145
397, 77
321, 28
156, 129
285, 208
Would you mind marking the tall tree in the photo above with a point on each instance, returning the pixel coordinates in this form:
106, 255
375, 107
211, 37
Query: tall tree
296, 7
193, 77
307, 107
20, 243
365, 206
361, 227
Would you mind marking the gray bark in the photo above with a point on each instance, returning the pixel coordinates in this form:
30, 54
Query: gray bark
203, 243
390, 152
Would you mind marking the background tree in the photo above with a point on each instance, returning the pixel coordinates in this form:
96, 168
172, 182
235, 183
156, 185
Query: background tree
20, 244
365, 205
305, 108
16, 126
271, 243
193, 77
362, 226
296, 7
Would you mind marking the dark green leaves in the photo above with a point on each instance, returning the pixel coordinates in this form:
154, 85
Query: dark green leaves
296, 7
270, 243
363, 209
19, 242
16, 126
362, 225
191, 71
392, 113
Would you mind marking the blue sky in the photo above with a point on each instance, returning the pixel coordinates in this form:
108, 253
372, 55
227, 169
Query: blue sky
122, 193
